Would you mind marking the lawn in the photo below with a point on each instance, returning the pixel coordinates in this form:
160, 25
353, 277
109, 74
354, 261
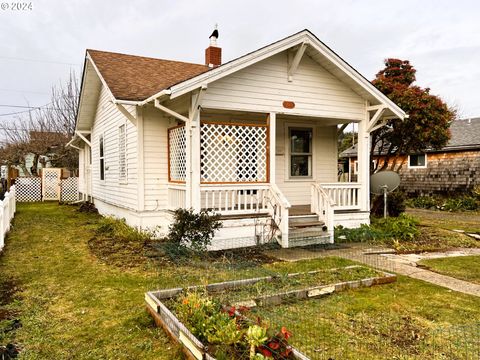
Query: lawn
72, 302
461, 267
468, 221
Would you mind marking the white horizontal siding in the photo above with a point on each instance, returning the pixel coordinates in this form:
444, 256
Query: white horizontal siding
81, 171
264, 86
107, 120
155, 158
324, 153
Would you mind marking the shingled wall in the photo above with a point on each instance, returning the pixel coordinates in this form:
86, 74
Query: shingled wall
448, 172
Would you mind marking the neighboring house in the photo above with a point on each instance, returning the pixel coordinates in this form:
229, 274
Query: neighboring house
454, 168
254, 139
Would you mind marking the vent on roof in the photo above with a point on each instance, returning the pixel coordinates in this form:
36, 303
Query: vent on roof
213, 54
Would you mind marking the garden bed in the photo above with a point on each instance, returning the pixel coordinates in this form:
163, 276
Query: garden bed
257, 292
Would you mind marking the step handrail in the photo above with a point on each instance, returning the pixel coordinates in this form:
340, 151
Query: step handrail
323, 206
279, 210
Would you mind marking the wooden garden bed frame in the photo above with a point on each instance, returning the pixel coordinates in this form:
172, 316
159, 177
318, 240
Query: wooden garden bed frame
195, 350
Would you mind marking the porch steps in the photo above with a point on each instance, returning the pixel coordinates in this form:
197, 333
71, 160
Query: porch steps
306, 230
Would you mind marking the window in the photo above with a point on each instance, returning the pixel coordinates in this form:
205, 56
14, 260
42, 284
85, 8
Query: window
101, 157
301, 152
417, 161
355, 167
122, 156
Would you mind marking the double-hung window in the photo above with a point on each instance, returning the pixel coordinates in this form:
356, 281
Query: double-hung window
101, 157
300, 152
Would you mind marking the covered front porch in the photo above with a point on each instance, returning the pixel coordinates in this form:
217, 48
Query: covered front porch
270, 176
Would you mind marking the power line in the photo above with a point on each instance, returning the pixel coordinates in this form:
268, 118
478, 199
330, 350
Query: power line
25, 91
25, 111
38, 61
28, 107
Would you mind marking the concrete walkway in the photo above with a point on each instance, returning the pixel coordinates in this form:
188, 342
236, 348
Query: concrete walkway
387, 262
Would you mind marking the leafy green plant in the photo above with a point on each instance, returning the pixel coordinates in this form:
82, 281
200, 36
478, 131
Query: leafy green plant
193, 231
403, 227
364, 233
465, 202
229, 330
256, 336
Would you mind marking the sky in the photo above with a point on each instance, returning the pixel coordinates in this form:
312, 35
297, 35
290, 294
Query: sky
41, 44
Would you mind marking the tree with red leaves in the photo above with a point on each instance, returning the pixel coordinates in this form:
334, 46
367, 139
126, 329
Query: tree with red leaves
427, 126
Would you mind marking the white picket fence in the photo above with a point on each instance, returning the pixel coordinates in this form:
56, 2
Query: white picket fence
7, 212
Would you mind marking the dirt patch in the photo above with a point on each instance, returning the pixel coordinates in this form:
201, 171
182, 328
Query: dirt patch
119, 252
403, 332
8, 289
88, 207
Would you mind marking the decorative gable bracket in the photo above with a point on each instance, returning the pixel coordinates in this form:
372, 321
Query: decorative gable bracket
374, 123
293, 65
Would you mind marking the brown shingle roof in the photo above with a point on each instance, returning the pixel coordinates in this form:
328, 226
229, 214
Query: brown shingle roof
136, 78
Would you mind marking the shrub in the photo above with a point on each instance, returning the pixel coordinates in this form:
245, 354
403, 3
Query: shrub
462, 203
395, 204
423, 202
192, 230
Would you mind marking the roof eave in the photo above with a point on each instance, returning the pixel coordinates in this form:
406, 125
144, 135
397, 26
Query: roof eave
304, 36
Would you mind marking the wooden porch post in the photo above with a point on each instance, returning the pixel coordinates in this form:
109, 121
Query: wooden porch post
188, 165
194, 116
272, 123
363, 175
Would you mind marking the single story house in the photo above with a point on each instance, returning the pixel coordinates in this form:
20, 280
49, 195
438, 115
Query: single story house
451, 169
254, 139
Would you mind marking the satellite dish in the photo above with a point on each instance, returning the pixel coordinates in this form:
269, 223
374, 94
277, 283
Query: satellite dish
383, 183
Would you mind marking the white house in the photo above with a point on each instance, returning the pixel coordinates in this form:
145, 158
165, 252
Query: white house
254, 139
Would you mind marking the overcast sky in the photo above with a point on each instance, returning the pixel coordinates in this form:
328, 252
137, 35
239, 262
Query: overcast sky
39, 47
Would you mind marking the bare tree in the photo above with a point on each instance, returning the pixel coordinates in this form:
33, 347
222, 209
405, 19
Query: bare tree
44, 132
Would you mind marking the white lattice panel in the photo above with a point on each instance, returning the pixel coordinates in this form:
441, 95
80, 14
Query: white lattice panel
69, 189
177, 154
233, 153
51, 183
28, 189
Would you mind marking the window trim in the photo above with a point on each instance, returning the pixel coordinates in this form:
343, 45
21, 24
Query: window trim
415, 166
299, 126
122, 179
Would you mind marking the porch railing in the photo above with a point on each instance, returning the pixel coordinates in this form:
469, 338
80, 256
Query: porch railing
236, 199
343, 195
176, 196
322, 205
233, 199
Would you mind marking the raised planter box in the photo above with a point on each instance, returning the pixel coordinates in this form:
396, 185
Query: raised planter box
194, 349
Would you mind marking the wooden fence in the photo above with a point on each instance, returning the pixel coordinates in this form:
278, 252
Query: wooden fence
7, 211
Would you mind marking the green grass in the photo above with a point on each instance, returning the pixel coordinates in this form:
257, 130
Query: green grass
382, 322
468, 221
461, 267
75, 304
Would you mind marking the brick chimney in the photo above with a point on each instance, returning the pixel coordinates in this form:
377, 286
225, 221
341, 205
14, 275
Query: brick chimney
213, 54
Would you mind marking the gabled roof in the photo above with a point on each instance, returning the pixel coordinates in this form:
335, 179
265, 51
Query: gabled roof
139, 80
136, 78
465, 135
